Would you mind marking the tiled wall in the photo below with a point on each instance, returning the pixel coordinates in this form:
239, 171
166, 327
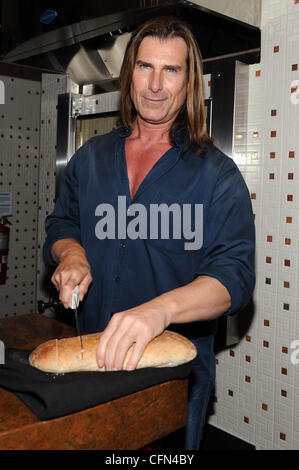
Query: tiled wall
257, 387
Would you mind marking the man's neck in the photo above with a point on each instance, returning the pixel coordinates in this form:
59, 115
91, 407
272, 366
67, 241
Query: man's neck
147, 132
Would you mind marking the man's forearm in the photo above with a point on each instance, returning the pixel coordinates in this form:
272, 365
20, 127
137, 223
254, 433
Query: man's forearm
205, 298
66, 246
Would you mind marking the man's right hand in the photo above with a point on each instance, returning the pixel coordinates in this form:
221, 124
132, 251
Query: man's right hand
73, 269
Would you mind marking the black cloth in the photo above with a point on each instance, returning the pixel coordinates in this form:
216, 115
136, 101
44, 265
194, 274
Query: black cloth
51, 396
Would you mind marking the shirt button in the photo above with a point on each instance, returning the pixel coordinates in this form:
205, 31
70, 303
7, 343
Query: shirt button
123, 244
117, 279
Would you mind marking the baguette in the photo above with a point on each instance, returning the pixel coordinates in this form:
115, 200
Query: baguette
61, 356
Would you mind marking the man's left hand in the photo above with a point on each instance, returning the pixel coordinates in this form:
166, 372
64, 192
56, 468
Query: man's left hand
205, 298
134, 327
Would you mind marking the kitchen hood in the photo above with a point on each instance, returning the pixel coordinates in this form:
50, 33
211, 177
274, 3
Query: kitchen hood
91, 49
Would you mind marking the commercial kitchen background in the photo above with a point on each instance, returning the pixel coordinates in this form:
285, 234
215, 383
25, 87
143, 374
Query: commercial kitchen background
257, 386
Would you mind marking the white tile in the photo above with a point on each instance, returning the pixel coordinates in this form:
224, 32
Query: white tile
276, 427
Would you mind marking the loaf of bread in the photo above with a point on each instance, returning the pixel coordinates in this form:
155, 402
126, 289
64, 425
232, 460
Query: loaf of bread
64, 355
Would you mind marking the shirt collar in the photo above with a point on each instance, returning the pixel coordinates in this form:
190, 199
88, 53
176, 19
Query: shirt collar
125, 131
180, 137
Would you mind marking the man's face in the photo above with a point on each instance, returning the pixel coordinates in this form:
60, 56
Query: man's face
159, 81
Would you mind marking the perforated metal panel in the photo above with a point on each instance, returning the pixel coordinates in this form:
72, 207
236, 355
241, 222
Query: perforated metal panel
52, 86
19, 174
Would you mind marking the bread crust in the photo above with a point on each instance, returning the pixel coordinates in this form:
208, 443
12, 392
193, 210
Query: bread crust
61, 356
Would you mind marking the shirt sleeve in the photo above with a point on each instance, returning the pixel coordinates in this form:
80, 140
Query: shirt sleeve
64, 221
229, 237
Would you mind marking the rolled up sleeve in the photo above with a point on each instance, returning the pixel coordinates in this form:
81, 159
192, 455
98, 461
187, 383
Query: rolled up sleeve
229, 238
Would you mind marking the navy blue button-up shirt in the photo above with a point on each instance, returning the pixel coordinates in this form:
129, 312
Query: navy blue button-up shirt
128, 272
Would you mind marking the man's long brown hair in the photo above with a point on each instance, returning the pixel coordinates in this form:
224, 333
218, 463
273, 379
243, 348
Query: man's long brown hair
192, 115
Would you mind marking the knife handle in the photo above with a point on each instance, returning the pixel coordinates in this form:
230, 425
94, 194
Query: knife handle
75, 298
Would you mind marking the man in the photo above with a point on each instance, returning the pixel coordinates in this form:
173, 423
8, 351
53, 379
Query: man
134, 287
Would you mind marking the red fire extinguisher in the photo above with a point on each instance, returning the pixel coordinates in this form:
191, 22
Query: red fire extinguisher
4, 237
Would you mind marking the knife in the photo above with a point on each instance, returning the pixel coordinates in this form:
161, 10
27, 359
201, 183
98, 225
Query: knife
75, 299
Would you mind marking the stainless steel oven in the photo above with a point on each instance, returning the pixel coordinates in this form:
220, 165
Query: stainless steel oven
81, 117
